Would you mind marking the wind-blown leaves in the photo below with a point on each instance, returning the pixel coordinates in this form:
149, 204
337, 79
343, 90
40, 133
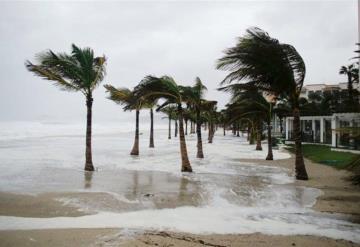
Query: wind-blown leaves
263, 62
125, 97
79, 71
153, 88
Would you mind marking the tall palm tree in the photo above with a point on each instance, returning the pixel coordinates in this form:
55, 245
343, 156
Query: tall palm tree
209, 114
153, 88
151, 105
170, 111
223, 120
352, 77
196, 101
176, 127
277, 68
127, 98
79, 71
187, 116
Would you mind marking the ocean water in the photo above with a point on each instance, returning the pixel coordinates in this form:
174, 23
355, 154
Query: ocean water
223, 195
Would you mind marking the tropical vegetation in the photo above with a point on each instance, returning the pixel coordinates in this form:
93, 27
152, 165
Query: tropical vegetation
79, 71
265, 77
262, 62
153, 88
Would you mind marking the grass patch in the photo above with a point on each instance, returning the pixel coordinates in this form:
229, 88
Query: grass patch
324, 155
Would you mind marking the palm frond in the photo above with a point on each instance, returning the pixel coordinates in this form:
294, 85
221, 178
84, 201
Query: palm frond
79, 71
123, 96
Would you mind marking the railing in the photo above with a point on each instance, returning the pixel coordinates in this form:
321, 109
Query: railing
347, 142
305, 137
342, 141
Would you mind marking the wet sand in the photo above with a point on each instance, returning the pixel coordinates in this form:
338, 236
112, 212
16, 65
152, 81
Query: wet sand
114, 237
339, 196
40, 206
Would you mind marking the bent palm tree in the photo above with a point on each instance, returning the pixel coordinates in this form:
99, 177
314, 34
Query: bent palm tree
262, 61
153, 88
126, 97
79, 71
196, 102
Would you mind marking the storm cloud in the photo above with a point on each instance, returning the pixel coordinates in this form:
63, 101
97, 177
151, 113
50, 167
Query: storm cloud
181, 39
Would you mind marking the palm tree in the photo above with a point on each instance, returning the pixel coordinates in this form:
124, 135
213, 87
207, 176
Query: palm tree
127, 98
187, 116
277, 68
243, 108
249, 104
170, 111
153, 88
352, 77
176, 128
79, 71
209, 114
151, 105
197, 103
222, 120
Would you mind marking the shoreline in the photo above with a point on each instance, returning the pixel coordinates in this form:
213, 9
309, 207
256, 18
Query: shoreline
338, 197
117, 237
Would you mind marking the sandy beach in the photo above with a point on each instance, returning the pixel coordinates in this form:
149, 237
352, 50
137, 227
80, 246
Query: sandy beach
339, 197
176, 123
233, 198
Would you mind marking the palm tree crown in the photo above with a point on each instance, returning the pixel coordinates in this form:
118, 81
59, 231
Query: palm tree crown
125, 97
262, 61
79, 71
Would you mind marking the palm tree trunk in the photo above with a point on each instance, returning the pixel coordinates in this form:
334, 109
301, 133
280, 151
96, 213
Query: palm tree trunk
238, 130
169, 133
185, 163
211, 132
200, 153
258, 137
176, 127
270, 152
88, 152
135, 149
300, 170
186, 127
151, 145
224, 128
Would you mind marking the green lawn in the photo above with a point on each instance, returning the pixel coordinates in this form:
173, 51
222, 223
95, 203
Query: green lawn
324, 155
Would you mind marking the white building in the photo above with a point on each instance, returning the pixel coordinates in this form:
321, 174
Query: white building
324, 129
317, 88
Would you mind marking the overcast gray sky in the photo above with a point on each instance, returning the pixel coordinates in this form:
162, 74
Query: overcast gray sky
181, 39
